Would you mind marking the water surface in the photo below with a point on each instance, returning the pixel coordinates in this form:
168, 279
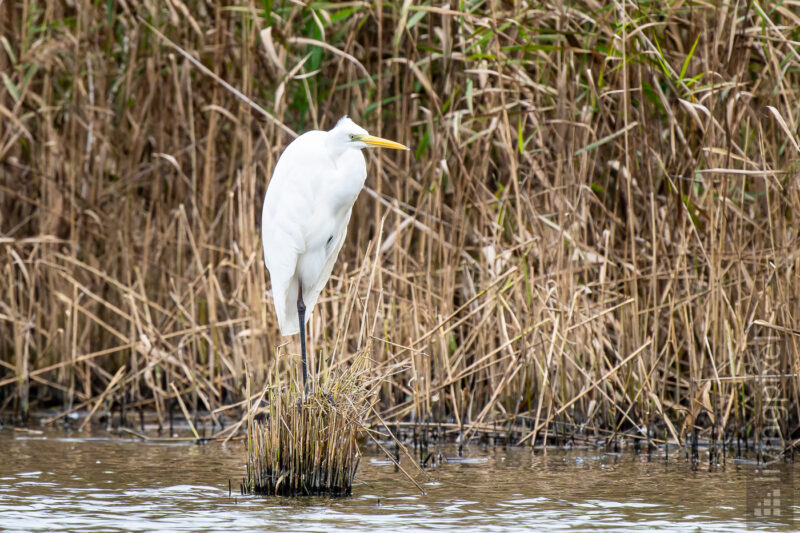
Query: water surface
74, 481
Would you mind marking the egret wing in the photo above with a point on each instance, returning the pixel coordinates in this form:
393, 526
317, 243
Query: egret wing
280, 256
311, 294
285, 205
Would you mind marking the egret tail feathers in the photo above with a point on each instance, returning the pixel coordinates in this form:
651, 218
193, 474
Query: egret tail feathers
286, 306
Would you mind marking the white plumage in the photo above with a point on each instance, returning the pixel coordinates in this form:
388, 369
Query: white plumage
306, 211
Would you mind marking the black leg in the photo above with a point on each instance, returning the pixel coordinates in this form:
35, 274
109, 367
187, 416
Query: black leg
301, 313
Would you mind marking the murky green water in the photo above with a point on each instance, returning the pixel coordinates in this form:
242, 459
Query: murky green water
59, 481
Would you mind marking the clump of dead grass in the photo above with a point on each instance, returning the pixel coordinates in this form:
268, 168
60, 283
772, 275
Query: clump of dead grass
308, 444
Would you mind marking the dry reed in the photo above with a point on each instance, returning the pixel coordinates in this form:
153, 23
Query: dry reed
308, 445
597, 232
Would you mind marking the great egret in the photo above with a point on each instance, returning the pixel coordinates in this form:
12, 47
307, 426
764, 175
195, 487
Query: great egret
304, 221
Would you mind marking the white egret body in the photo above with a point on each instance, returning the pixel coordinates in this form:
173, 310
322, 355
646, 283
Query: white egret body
306, 210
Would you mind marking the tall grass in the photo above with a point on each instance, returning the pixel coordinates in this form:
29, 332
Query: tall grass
596, 231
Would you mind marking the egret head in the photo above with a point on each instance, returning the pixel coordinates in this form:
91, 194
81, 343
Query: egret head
350, 135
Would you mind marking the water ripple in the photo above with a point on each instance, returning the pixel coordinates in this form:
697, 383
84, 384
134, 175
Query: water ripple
102, 484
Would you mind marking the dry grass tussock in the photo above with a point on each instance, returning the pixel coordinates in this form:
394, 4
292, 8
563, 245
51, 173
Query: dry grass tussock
308, 444
596, 232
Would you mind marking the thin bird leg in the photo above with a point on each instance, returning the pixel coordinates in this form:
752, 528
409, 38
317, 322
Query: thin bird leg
301, 313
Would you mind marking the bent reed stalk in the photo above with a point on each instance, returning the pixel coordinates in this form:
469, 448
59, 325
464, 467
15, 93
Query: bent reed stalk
595, 235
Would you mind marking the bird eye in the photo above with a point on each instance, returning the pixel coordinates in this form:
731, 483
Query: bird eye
352, 137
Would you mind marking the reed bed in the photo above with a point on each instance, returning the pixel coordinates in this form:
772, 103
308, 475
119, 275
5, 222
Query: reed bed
595, 235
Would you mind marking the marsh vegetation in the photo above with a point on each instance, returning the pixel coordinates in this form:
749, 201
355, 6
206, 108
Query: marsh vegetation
595, 234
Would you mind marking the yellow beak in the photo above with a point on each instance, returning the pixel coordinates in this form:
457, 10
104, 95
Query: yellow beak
370, 140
